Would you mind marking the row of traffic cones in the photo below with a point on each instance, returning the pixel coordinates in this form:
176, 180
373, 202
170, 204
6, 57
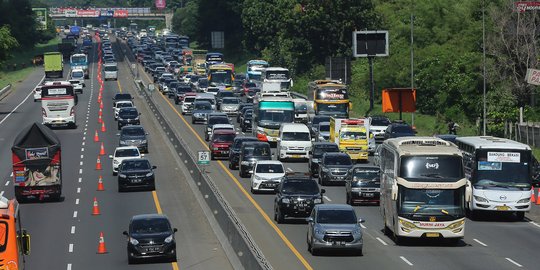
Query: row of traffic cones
535, 200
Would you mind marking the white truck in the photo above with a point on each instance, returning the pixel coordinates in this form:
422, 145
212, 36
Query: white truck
271, 87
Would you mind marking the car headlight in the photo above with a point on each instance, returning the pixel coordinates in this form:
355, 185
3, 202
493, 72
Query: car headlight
325, 169
407, 224
283, 147
133, 241
244, 162
215, 148
285, 200
149, 174
143, 141
526, 200
123, 142
314, 160
169, 239
246, 121
197, 114
136, 119
456, 225
480, 199
121, 175
258, 178
308, 148
318, 231
318, 200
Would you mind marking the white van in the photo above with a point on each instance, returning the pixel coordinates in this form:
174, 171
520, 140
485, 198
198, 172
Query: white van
294, 141
111, 71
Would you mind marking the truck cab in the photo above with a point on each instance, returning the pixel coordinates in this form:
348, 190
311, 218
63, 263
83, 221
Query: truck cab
352, 136
14, 241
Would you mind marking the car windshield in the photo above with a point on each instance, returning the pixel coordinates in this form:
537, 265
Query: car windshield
127, 153
128, 131
128, 113
77, 74
109, 68
305, 187
135, 165
338, 160
203, 106
334, 216
380, 122
324, 128
218, 120
124, 104
256, 151
226, 94
321, 149
224, 137
231, 101
402, 129
295, 136
150, 226
269, 168
203, 84
366, 178
300, 107
122, 96
316, 120
352, 135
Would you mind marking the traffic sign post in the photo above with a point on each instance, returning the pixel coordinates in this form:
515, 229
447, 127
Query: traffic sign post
203, 159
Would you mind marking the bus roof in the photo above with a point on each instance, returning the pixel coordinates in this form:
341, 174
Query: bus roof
56, 83
276, 69
220, 66
257, 62
489, 142
422, 146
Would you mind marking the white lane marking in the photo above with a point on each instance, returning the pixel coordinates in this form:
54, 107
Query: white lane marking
83, 143
80, 170
81, 163
535, 224
84, 133
69, 266
382, 241
289, 169
19, 105
479, 242
85, 129
326, 197
514, 262
2, 193
74, 214
7, 183
80, 179
82, 156
82, 149
72, 229
78, 190
11, 174
70, 248
363, 226
77, 201
84, 138
405, 260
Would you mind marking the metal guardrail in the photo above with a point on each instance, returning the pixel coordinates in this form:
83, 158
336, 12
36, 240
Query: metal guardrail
247, 251
298, 95
4, 90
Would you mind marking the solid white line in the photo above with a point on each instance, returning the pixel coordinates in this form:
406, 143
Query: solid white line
76, 201
535, 224
382, 241
74, 214
7, 183
70, 248
326, 197
405, 260
514, 262
78, 190
362, 225
72, 229
69, 266
479, 242
19, 105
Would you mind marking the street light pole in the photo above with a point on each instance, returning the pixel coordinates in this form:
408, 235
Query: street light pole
412, 55
484, 65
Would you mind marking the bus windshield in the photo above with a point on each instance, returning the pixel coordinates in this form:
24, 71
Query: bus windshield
332, 108
417, 203
430, 168
221, 76
270, 117
492, 173
277, 75
78, 59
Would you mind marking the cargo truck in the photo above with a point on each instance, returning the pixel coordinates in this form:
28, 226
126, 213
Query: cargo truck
67, 46
54, 65
351, 135
14, 240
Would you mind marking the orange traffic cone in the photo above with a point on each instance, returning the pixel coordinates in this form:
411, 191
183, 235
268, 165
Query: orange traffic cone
100, 112
95, 209
101, 247
96, 137
98, 164
533, 198
538, 199
101, 105
101, 88
100, 186
99, 119
102, 150
103, 129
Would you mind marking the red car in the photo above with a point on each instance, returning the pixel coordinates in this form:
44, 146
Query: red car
247, 85
220, 143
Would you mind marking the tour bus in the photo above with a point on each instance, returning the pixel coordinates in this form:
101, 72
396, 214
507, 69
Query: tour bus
80, 60
277, 74
58, 101
268, 115
499, 174
14, 240
221, 75
422, 188
255, 68
330, 97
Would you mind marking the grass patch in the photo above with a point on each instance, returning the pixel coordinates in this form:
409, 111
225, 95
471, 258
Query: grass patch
13, 77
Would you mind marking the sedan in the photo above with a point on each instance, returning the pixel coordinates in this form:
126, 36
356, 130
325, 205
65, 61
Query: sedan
136, 173
150, 236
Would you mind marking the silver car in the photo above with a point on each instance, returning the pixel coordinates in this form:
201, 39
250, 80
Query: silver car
334, 227
229, 105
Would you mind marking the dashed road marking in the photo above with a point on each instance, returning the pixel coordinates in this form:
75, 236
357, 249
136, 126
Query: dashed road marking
2, 193
382, 241
479, 242
289, 169
69, 266
82, 149
11, 174
82, 156
72, 229
83, 143
405, 260
81, 163
363, 226
75, 214
78, 190
326, 197
7, 183
80, 179
534, 223
70, 248
76, 201
514, 262
80, 170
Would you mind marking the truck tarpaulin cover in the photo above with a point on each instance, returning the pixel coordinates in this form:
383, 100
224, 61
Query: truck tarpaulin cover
37, 149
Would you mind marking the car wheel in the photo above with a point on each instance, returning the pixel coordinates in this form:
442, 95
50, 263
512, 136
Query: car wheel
359, 252
176, 102
243, 129
280, 217
192, 122
520, 216
231, 166
119, 127
253, 191
114, 173
242, 174
131, 260
212, 157
314, 251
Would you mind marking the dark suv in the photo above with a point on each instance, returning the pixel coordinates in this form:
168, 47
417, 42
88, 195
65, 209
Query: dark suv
234, 151
250, 153
317, 150
363, 185
398, 129
136, 173
135, 136
334, 168
128, 116
296, 196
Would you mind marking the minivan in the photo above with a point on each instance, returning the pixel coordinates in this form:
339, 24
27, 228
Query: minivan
111, 71
250, 153
294, 141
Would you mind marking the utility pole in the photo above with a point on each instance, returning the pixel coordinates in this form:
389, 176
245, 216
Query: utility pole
412, 55
484, 65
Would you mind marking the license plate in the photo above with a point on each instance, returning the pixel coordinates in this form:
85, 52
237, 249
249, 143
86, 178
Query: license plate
296, 156
224, 152
271, 185
368, 194
152, 249
432, 234
338, 243
503, 208
134, 181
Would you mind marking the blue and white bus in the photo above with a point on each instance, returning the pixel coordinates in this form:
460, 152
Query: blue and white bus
255, 68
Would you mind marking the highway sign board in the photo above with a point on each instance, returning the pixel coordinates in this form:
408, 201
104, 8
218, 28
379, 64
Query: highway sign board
203, 158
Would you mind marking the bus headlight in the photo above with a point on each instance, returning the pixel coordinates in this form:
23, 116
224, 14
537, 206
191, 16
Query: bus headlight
526, 200
406, 224
456, 225
480, 199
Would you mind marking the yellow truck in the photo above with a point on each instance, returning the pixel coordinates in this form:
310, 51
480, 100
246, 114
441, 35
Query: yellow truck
351, 135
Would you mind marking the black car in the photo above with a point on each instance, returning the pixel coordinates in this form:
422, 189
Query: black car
213, 119
234, 151
246, 121
334, 167
180, 92
250, 95
135, 136
397, 129
314, 124
242, 109
317, 150
136, 173
296, 196
172, 87
363, 185
120, 97
250, 153
150, 236
128, 116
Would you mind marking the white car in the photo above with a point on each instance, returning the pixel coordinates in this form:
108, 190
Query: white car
267, 175
121, 153
37, 93
121, 104
77, 86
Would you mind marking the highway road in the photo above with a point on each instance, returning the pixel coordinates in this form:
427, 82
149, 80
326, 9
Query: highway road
492, 243
65, 234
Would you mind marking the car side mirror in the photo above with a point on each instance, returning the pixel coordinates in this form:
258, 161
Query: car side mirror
360, 220
323, 190
110, 156
175, 230
25, 239
154, 167
309, 219
125, 233
117, 134
142, 155
140, 113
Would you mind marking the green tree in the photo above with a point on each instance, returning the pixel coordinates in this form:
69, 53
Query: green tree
185, 20
7, 43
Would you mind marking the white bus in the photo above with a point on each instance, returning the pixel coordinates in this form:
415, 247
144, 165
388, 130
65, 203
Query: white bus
58, 101
499, 173
422, 188
277, 75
